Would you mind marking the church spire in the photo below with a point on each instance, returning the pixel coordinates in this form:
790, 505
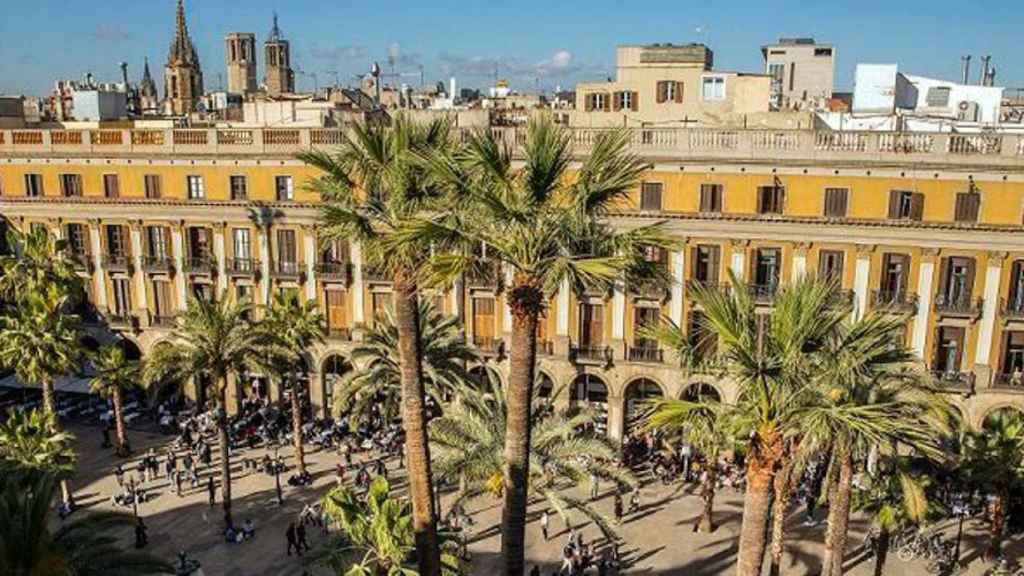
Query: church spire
182, 50
275, 32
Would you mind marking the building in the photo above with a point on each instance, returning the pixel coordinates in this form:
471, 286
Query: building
12, 112
802, 73
881, 89
183, 75
669, 85
149, 98
240, 60
97, 104
929, 224
280, 77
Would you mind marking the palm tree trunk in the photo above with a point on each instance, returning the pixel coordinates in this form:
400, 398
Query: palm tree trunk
838, 519
884, 539
783, 483
707, 494
122, 434
414, 422
526, 301
50, 406
300, 452
763, 459
225, 458
997, 525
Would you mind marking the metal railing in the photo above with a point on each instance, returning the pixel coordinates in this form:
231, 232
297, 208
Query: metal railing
545, 348
590, 353
333, 270
489, 346
645, 353
161, 320
692, 285
652, 289
117, 262
199, 265
286, 269
157, 263
121, 319
243, 267
81, 261
897, 300
1012, 309
375, 274
1011, 381
342, 334
763, 293
958, 305
954, 380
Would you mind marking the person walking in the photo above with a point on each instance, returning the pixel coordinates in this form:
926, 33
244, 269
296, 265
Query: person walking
211, 490
300, 536
119, 474
544, 520
618, 507
289, 535
177, 482
141, 539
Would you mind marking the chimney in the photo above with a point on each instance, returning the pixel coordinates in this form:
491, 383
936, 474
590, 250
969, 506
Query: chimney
984, 69
991, 78
965, 68
124, 75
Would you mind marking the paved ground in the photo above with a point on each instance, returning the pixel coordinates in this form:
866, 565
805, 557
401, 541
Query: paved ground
657, 540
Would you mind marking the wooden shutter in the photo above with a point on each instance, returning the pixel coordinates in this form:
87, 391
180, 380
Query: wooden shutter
762, 191
894, 204
835, 202
967, 207
714, 259
634, 101
617, 101
662, 90
970, 278
679, 92
944, 273
694, 254
588, 102
483, 319
335, 308
705, 202
916, 206
607, 102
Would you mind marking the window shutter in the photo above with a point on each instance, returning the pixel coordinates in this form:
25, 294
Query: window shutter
944, 271
713, 261
679, 92
634, 101
917, 206
694, 252
970, 278
617, 101
894, 204
607, 102
588, 102
662, 89
705, 202
761, 193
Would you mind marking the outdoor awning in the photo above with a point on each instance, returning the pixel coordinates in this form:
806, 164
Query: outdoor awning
75, 384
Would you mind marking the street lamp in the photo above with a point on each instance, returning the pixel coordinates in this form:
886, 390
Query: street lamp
960, 509
277, 477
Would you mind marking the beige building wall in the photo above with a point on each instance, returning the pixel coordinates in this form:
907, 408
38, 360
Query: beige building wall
807, 70
240, 59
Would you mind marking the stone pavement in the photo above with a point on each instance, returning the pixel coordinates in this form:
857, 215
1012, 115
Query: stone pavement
656, 540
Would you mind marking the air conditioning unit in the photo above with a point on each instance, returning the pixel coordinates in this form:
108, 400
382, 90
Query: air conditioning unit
967, 111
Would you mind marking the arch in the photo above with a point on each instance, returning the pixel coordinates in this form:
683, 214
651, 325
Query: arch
298, 381
170, 390
694, 391
544, 385
999, 410
89, 343
130, 348
332, 370
480, 373
591, 391
639, 394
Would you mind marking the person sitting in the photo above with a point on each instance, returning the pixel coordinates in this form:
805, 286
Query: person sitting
248, 529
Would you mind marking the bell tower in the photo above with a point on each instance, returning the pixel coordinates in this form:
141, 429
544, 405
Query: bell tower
183, 76
280, 78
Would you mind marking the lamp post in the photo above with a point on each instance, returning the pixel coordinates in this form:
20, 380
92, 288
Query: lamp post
277, 478
960, 509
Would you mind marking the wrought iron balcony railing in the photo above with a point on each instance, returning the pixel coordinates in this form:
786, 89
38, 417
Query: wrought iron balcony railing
896, 300
958, 305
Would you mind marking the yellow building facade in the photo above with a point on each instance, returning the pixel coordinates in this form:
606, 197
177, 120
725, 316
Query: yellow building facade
929, 224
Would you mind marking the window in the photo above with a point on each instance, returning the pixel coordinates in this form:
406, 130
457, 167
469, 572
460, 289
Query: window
836, 200
627, 101
822, 52
702, 337
243, 293
830, 266
905, 205
202, 291
334, 301
711, 198
591, 325
937, 97
957, 277
122, 296
151, 183
157, 245
967, 205
949, 347
33, 185
162, 298
334, 251
650, 195
767, 263
198, 243
77, 239
705, 264
712, 88
596, 101
1013, 354
381, 302
196, 189
895, 269
645, 318
242, 248
111, 186
283, 188
1016, 300
239, 187
71, 185
483, 321
669, 91
770, 199
117, 241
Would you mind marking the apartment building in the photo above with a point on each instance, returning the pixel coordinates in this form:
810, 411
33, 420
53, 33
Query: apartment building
802, 72
929, 223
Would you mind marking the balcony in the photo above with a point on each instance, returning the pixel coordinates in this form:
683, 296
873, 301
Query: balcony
649, 290
339, 334
763, 294
1014, 381
841, 298
1012, 309
486, 277
161, 320
199, 265
243, 267
375, 274
694, 285
117, 263
489, 346
645, 353
157, 264
333, 271
896, 300
545, 348
954, 381
81, 261
959, 305
590, 354
287, 270
121, 320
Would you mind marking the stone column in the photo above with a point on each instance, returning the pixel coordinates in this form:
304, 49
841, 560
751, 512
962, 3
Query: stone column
99, 278
986, 328
861, 277
925, 294
618, 315
178, 246
220, 255
140, 276
309, 233
265, 264
616, 417
455, 296
675, 304
562, 303
316, 393
358, 311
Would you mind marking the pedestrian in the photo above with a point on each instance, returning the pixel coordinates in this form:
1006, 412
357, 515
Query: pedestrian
567, 566
634, 499
177, 482
119, 474
300, 535
686, 451
382, 469
544, 524
140, 534
594, 486
618, 507
211, 490
289, 535
140, 470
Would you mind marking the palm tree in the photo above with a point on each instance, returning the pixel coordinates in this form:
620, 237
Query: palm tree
867, 397
211, 339
38, 259
376, 388
994, 462
89, 546
28, 441
290, 328
40, 341
770, 356
371, 187
545, 226
115, 374
469, 441
703, 425
893, 501
376, 534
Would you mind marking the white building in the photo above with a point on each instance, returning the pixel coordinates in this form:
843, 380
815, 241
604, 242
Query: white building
881, 89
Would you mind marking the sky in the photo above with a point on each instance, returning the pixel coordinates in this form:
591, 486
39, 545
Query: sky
534, 43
